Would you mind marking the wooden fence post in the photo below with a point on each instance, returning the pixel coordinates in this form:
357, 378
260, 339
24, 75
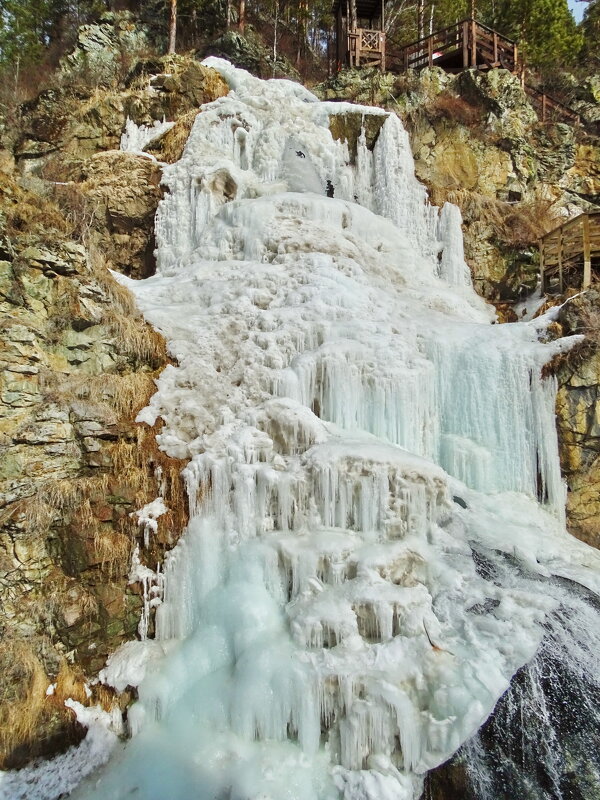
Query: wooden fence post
560, 261
587, 257
473, 43
465, 44
430, 51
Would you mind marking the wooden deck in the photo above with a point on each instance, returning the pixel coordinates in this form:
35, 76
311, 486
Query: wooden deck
570, 254
471, 45
466, 44
366, 48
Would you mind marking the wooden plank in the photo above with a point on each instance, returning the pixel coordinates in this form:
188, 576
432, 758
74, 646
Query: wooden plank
465, 44
560, 264
587, 260
473, 43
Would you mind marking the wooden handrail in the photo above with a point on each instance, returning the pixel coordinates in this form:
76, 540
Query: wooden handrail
458, 26
565, 246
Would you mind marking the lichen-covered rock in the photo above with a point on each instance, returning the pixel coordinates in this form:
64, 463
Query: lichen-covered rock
60, 127
578, 416
76, 363
499, 91
249, 52
104, 49
123, 192
583, 177
349, 126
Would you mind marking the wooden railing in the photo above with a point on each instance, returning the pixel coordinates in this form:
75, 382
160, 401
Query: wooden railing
549, 108
568, 250
473, 43
366, 48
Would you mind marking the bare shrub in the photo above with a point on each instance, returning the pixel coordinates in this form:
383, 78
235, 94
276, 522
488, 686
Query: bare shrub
451, 106
515, 225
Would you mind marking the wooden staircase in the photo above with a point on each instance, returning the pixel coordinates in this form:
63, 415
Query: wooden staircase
570, 254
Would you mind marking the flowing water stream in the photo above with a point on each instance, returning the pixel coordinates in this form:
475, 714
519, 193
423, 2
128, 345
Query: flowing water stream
360, 440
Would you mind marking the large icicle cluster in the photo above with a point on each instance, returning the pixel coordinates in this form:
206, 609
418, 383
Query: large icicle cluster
360, 440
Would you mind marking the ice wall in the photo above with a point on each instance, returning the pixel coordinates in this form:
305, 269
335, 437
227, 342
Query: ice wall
357, 436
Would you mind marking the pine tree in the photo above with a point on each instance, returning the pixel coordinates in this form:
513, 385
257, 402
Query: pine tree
591, 36
546, 30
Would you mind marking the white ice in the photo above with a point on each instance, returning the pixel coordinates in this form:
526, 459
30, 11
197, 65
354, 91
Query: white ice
136, 138
360, 440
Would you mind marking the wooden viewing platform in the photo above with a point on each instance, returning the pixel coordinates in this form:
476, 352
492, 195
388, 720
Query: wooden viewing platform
360, 37
566, 251
470, 45
467, 44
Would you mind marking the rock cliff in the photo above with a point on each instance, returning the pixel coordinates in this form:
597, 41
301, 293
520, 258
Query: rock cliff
77, 363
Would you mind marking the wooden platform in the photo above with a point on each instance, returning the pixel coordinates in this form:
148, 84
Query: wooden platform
466, 44
570, 254
359, 33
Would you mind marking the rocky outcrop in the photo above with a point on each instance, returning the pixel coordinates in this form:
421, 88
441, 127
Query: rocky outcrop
65, 125
249, 52
578, 415
121, 192
77, 362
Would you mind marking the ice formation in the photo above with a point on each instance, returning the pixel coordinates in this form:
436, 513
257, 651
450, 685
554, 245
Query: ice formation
135, 138
359, 438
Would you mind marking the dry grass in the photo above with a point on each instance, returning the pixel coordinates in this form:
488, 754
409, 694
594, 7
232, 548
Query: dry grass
170, 147
453, 107
28, 214
516, 225
27, 714
147, 469
134, 336
109, 397
23, 694
56, 496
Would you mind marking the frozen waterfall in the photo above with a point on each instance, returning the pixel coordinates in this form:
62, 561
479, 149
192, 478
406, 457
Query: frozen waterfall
357, 432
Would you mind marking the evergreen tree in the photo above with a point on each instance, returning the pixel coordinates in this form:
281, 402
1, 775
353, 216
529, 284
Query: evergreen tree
546, 30
591, 36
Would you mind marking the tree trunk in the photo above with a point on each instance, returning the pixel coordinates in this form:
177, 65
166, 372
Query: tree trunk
242, 19
173, 27
275, 34
421, 19
353, 21
228, 15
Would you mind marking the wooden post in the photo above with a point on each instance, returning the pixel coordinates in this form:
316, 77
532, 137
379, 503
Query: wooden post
495, 48
587, 256
541, 246
465, 44
430, 51
382, 45
473, 43
543, 107
560, 261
